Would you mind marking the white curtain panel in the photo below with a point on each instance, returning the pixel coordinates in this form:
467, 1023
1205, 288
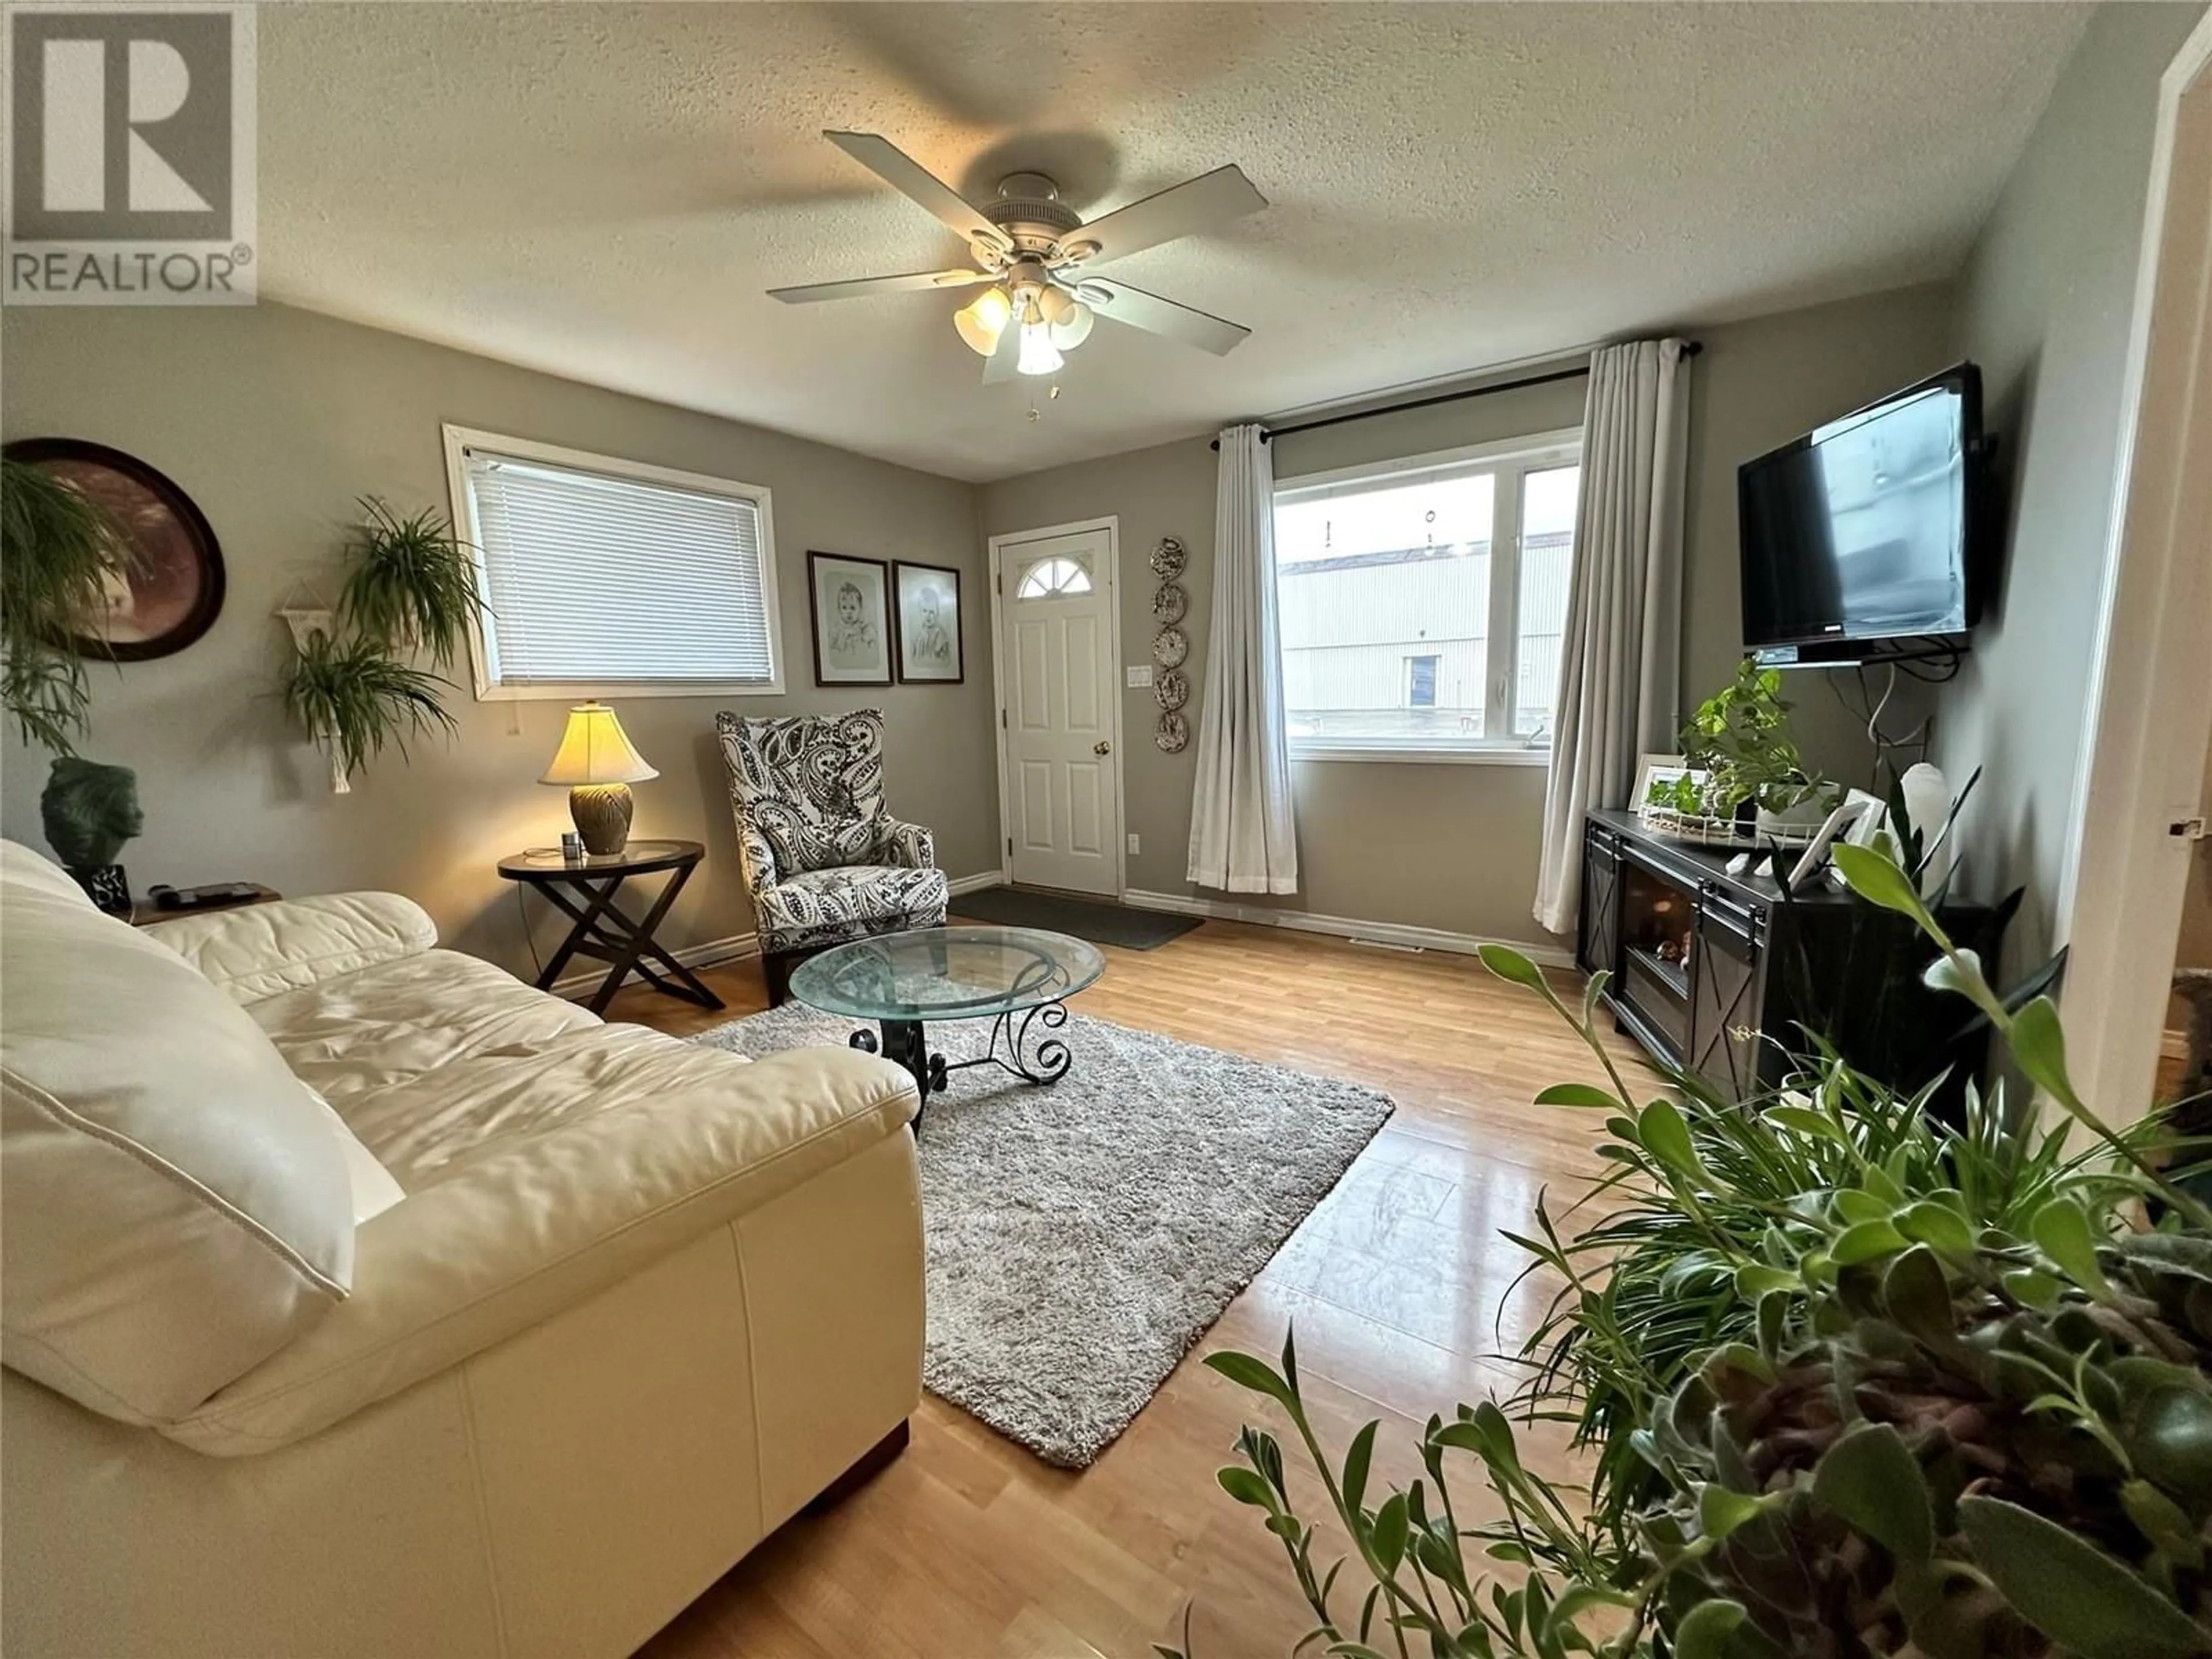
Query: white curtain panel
1619, 669
1241, 837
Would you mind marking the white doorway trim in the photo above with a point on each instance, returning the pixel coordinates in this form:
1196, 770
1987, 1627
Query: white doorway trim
1111, 523
2148, 718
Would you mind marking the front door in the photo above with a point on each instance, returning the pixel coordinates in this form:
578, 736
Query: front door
1063, 779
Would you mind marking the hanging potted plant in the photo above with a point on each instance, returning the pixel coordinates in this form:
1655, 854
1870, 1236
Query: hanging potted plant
410, 590
60, 554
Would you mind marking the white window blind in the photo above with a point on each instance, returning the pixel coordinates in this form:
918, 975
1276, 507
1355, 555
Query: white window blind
594, 578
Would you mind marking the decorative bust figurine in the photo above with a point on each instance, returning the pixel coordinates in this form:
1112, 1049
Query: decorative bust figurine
89, 811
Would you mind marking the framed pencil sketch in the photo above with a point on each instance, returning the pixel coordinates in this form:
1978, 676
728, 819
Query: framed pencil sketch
850, 601
928, 607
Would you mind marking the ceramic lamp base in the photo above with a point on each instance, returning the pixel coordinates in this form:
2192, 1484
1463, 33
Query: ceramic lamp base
602, 813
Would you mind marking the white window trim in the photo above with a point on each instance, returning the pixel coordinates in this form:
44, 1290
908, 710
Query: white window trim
1532, 453
459, 439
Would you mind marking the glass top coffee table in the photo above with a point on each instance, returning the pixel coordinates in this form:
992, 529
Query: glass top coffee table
1018, 978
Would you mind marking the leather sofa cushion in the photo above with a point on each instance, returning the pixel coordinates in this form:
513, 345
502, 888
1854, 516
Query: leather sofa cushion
269, 948
646, 1143
173, 1207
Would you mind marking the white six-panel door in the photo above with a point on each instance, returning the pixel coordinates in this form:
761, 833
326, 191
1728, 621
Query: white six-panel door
1057, 676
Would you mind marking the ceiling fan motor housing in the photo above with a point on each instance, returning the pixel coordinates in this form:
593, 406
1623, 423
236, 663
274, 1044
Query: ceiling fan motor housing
1029, 209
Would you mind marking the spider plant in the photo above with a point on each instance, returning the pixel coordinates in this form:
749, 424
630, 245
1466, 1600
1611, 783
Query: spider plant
58, 549
354, 696
411, 584
1862, 1386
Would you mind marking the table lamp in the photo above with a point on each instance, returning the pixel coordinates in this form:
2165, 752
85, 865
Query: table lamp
596, 760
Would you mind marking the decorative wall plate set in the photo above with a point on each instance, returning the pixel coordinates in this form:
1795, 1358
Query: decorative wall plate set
1171, 647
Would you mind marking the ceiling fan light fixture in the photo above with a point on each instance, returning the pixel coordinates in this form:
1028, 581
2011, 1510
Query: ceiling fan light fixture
983, 320
1053, 303
1072, 327
1039, 355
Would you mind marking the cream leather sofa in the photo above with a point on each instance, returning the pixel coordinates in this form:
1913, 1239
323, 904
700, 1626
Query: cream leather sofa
512, 1349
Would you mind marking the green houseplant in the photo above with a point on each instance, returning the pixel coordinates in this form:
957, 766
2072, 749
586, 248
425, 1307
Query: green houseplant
411, 585
1854, 1384
58, 553
1740, 739
409, 590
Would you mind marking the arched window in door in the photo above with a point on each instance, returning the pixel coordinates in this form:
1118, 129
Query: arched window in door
1048, 578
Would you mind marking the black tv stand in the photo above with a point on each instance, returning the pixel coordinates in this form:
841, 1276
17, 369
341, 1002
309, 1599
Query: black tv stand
1719, 974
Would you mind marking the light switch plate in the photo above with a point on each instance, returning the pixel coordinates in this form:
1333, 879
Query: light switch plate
1140, 677
1135, 848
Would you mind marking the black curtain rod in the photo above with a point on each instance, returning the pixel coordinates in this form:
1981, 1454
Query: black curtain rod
1689, 348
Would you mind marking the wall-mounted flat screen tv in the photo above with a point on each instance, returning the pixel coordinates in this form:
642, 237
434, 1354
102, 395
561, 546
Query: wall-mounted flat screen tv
1867, 529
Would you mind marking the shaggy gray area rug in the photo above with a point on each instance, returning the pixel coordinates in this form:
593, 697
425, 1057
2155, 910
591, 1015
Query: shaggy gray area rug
1081, 1236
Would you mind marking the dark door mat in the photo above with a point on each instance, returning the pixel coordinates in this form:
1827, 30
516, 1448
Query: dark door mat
1102, 924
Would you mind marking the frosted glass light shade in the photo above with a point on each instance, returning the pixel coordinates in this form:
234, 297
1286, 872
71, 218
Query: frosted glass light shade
983, 320
1072, 327
1039, 355
596, 750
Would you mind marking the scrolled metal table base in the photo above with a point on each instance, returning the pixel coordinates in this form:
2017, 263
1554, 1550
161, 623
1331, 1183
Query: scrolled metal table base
1031, 1053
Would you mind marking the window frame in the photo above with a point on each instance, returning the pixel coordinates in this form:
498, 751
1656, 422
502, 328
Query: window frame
460, 439
1064, 593
1508, 461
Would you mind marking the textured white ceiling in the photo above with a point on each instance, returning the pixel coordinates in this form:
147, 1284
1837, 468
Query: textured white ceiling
604, 191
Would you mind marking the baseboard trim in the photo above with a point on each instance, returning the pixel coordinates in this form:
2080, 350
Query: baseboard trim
1306, 921
714, 952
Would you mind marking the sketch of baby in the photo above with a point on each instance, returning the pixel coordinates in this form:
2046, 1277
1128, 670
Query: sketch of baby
931, 643
851, 636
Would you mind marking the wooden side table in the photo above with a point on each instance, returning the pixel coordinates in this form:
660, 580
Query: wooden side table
583, 889
144, 913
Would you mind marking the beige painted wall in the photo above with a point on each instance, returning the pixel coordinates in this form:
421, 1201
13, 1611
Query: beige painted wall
274, 421
1759, 384
1455, 847
2045, 304
1439, 819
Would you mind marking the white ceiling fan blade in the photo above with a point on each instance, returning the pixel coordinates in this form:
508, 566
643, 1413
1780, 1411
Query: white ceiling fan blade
1201, 204
860, 287
1138, 309
918, 184
1005, 364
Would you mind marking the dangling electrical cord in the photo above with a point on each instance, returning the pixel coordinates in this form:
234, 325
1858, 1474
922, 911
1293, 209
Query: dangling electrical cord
1871, 710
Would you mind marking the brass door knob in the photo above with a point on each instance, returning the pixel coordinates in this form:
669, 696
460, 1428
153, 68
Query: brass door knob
1101, 748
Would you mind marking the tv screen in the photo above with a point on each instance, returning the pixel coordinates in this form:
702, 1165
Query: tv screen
1863, 530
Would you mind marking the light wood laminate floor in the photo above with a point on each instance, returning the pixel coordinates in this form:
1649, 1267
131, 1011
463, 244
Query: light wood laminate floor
1401, 1288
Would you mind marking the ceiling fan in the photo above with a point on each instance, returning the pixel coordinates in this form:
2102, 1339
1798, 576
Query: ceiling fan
1036, 253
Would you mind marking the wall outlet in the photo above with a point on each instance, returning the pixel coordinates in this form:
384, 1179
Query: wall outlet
1136, 845
1140, 677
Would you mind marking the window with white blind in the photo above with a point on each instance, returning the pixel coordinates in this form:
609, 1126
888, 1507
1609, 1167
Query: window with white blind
604, 576
1422, 603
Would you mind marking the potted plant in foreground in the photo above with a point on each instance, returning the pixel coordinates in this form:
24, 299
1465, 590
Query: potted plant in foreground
1850, 1383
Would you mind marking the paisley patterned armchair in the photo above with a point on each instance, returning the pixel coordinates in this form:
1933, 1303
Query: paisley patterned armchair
823, 859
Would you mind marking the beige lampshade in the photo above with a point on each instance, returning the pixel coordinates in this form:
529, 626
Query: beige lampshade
596, 750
